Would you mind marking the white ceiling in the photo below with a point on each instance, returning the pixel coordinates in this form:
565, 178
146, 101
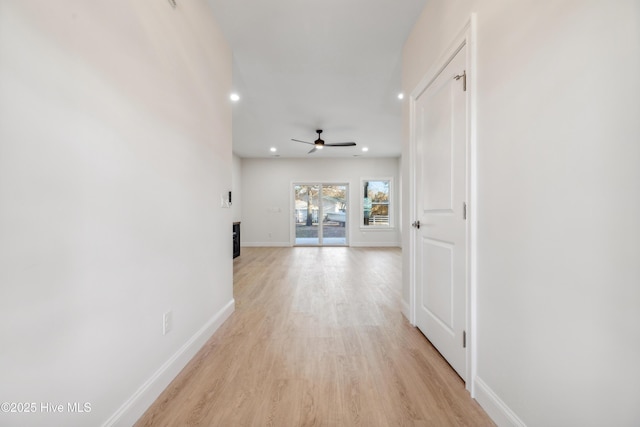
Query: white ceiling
302, 65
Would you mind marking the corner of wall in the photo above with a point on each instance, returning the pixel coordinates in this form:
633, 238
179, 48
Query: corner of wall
406, 310
142, 399
499, 412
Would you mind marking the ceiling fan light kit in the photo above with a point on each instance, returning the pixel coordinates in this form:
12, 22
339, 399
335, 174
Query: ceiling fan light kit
319, 143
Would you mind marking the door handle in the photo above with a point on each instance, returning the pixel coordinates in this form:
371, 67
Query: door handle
416, 224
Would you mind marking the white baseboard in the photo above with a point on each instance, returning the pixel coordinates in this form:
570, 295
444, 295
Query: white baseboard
499, 412
266, 244
376, 245
142, 399
354, 245
406, 311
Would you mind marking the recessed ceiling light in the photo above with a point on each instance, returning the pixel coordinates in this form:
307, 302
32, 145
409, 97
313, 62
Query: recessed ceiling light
401, 95
234, 97
273, 149
365, 149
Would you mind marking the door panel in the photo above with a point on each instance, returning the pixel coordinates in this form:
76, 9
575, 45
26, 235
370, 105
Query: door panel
436, 159
441, 177
334, 215
306, 202
438, 281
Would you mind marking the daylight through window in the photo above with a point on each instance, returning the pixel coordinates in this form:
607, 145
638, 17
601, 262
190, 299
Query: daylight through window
376, 203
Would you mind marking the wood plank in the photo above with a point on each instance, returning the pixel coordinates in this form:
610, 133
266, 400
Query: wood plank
317, 339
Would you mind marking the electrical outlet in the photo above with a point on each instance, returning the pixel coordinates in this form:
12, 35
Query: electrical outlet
167, 322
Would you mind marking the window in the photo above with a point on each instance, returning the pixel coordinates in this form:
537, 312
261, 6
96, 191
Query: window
376, 203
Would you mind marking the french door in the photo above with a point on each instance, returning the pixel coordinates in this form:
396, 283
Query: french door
320, 214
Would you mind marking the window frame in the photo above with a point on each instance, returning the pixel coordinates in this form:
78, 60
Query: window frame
380, 227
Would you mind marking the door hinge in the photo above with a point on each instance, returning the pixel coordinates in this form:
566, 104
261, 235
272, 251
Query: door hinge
464, 339
462, 76
464, 210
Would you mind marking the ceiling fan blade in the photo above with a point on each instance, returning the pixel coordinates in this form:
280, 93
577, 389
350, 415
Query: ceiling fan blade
319, 143
341, 144
304, 142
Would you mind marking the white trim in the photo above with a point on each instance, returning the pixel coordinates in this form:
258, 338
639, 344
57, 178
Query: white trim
377, 228
499, 412
292, 214
472, 200
142, 399
466, 37
413, 209
459, 41
352, 245
376, 245
265, 245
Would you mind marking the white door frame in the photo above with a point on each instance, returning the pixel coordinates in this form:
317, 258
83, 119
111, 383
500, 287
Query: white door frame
467, 36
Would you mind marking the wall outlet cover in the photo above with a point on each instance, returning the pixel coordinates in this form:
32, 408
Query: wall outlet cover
167, 322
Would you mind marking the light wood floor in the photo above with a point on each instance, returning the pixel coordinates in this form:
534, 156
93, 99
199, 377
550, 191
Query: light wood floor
317, 338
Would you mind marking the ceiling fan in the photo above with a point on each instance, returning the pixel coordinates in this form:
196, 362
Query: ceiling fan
318, 144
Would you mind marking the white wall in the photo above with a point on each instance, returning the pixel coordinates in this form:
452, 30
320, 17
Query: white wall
236, 188
558, 203
115, 144
267, 196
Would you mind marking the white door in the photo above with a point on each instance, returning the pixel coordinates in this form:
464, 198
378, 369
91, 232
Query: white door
441, 189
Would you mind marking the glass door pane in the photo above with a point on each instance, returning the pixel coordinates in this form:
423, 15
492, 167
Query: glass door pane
307, 208
334, 215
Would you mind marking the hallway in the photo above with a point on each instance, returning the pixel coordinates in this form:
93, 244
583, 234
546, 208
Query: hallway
317, 338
